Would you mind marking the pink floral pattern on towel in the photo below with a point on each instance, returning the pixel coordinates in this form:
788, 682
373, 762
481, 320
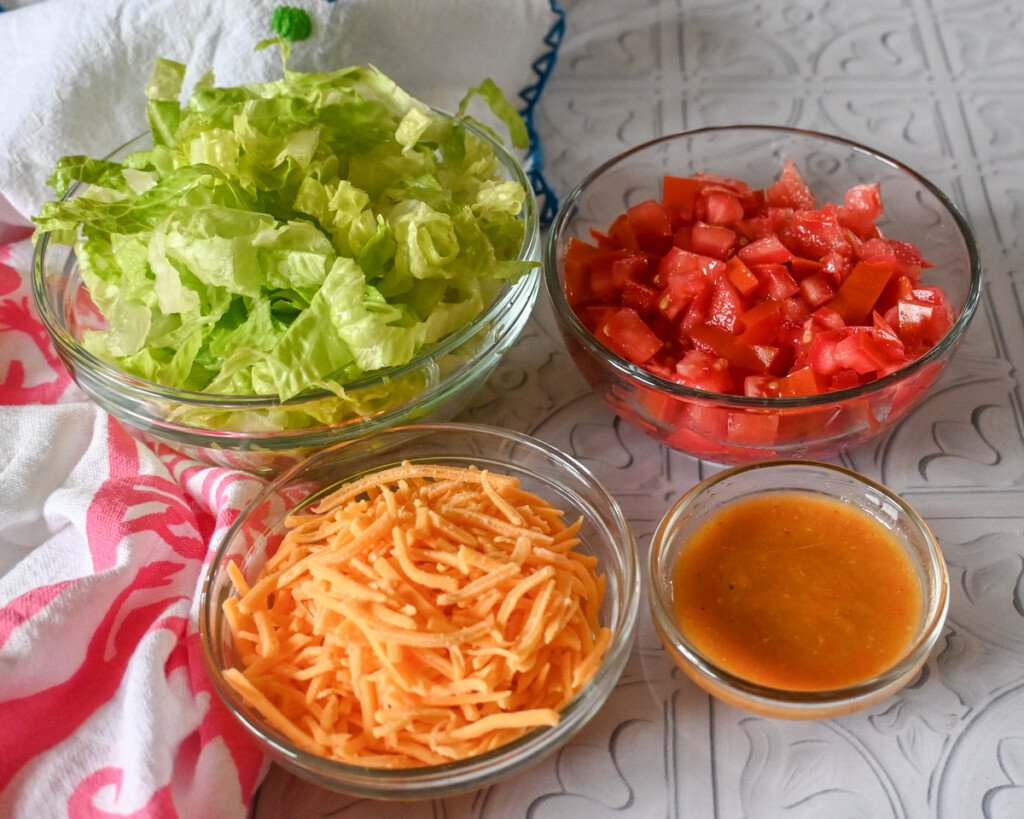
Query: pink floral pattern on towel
105, 705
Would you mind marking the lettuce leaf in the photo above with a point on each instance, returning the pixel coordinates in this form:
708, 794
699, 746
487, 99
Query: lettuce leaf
288, 236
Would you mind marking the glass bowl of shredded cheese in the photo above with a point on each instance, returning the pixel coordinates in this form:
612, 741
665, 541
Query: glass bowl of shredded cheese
423, 611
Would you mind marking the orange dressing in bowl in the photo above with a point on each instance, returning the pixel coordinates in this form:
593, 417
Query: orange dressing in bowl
797, 591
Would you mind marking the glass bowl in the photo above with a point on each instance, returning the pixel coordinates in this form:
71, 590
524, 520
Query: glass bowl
261, 433
541, 469
733, 429
676, 532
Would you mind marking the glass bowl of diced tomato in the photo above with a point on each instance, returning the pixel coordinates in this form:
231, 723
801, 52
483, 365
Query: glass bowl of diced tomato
755, 292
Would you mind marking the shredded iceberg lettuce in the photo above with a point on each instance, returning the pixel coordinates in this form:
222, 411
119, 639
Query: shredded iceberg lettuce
289, 235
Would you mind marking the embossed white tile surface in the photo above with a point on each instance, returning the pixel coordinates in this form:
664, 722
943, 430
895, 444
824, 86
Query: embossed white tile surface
938, 84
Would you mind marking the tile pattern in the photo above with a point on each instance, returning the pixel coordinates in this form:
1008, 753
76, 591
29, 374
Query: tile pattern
939, 85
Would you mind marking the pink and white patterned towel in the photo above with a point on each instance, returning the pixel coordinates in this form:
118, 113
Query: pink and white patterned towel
105, 706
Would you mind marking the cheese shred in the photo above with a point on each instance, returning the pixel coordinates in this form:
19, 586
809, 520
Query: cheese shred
418, 615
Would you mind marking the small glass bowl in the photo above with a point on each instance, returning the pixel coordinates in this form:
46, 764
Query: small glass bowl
733, 429
261, 433
827, 481
541, 469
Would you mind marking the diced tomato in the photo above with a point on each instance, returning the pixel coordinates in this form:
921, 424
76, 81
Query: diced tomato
865, 199
576, 269
794, 311
761, 322
658, 368
821, 355
863, 352
696, 311
741, 276
923, 319
621, 233
774, 359
723, 344
776, 282
716, 241
761, 386
683, 237
753, 429
704, 371
800, 268
672, 300
836, 267
727, 183
592, 316
862, 207
790, 190
908, 254
816, 290
725, 289
883, 330
726, 306
699, 428
687, 440
803, 381
626, 333
665, 329
878, 251
829, 319
641, 297
611, 269
651, 226
766, 250
679, 263
762, 224
856, 296
678, 195
720, 208
844, 380
683, 275
812, 234
603, 240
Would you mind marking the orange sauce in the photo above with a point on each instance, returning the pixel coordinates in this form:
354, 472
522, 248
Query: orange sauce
796, 591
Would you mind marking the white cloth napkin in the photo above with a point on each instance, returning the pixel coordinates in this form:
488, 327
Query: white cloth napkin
105, 707
73, 72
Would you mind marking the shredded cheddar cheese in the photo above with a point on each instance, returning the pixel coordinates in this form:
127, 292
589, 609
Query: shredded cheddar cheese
416, 616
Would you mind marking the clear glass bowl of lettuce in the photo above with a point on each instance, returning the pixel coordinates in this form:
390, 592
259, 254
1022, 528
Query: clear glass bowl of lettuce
277, 267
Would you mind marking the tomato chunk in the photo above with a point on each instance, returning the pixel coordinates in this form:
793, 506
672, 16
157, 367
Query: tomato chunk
651, 226
790, 190
679, 196
859, 293
766, 250
628, 334
754, 292
716, 241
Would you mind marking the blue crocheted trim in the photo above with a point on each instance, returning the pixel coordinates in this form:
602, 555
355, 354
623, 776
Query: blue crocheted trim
547, 199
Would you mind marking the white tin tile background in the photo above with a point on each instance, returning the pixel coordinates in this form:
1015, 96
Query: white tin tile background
939, 85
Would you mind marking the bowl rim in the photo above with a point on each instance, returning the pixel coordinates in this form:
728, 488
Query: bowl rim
472, 772
934, 615
626, 369
144, 389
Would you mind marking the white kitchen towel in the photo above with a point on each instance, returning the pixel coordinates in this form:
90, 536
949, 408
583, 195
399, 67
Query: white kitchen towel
72, 73
105, 707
